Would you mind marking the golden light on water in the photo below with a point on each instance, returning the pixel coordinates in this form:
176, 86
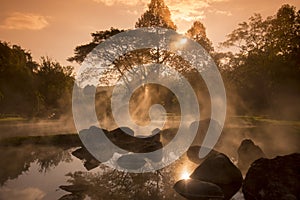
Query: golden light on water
185, 175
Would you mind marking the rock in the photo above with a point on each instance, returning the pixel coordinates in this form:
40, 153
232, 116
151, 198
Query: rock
97, 142
134, 144
248, 152
218, 169
156, 131
198, 190
277, 178
123, 130
131, 161
89, 161
79, 188
193, 154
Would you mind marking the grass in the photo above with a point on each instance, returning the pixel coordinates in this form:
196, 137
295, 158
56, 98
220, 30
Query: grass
12, 119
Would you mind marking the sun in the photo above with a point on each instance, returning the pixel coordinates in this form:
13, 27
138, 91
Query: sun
185, 175
183, 41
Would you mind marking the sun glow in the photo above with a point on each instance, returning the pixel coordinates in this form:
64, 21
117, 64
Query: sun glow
185, 175
182, 41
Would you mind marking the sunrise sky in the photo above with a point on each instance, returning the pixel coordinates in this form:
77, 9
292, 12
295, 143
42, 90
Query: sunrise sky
54, 27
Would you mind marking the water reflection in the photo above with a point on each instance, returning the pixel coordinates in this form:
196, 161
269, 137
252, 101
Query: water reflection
59, 167
38, 170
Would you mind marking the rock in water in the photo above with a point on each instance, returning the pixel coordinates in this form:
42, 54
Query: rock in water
248, 152
277, 178
193, 154
221, 171
89, 161
198, 190
131, 161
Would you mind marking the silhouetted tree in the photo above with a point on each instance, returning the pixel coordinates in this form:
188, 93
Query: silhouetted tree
157, 15
55, 84
98, 37
28, 88
17, 86
198, 33
267, 63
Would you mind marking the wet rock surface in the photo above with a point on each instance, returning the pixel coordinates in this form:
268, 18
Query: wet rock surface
218, 169
277, 178
248, 152
198, 190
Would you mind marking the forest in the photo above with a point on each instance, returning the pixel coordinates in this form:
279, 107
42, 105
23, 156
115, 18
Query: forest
259, 63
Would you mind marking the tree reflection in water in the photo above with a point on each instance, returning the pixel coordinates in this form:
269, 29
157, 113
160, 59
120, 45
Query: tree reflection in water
113, 184
17, 154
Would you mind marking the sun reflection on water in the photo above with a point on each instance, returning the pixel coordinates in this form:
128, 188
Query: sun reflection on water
185, 175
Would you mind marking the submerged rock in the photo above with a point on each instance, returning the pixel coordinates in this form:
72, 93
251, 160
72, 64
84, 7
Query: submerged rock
277, 178
248, 152
198, 190
218, 169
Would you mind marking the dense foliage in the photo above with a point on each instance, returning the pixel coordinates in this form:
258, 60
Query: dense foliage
266, 68
28, 88
261, 70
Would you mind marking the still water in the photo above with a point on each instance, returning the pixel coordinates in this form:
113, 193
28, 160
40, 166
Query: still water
40, 172
48, 167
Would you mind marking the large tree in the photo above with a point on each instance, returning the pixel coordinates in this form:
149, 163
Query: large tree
198, 33
157, 15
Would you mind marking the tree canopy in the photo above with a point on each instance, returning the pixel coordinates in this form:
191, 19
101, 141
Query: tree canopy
157, 15
267, 63
29, 88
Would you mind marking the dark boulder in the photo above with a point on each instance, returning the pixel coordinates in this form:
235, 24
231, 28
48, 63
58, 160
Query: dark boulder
248, 152
218, 169
134, 144
95, 140
79, 188
277, 178
89, 161
193, 154
198, 190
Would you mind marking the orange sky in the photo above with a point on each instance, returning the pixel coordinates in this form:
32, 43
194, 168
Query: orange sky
54, 27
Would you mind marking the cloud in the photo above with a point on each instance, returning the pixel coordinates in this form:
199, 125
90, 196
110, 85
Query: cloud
123, 2
21, 21
22, 194
182, 10
220, 12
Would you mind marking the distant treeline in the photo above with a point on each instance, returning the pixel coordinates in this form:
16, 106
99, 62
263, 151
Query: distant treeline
32, 89
262, 74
